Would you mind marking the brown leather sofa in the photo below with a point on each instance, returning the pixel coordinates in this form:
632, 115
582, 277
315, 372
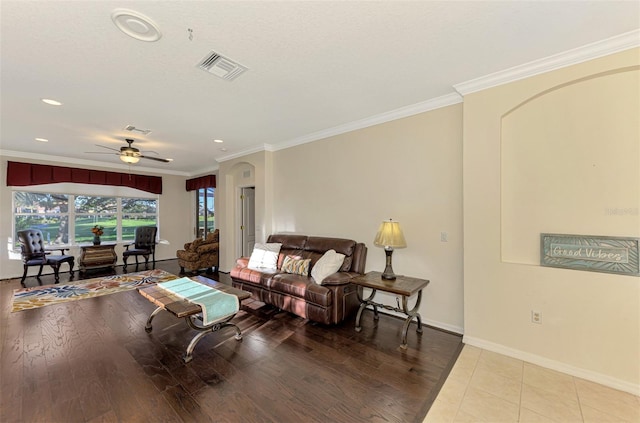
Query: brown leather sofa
329, 303
200, 254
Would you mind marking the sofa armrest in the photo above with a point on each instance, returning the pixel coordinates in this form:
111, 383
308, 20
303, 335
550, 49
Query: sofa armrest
340, 278
242, 262
187, 246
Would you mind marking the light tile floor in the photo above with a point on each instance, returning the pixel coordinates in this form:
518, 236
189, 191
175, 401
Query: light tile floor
487, 387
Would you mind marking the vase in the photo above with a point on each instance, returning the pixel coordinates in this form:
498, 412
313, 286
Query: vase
96, 240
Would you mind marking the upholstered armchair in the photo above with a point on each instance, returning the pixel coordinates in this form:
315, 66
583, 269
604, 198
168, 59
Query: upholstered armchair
34, 253
200, 254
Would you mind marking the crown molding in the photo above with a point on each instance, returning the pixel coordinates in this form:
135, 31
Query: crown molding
413, 109
242, 153
571, 57
92, 163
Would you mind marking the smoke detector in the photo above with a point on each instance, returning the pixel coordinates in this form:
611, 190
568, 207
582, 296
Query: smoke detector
132, 128
136, 25
221, 66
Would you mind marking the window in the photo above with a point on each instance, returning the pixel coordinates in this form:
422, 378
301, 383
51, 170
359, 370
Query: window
52, 215
47, 212
137, 212
205, 217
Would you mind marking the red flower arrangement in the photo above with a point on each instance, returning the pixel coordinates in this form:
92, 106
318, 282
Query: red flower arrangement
98, 230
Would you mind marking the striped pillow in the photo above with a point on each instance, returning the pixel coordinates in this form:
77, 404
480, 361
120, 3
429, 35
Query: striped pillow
296, 266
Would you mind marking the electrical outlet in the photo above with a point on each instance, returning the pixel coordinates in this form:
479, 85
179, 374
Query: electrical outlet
444, 237
536, 317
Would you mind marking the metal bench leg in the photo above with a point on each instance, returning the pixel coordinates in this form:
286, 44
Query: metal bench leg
204, 330
148, 327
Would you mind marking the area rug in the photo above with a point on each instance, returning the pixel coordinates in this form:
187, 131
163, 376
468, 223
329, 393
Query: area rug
40, 296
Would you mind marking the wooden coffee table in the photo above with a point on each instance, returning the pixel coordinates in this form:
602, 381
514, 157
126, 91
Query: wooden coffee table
191, 312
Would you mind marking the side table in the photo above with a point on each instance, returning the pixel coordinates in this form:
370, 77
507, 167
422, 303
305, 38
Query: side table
404, 286
97, 256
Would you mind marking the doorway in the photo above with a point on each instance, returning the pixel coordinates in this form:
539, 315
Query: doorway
247, 220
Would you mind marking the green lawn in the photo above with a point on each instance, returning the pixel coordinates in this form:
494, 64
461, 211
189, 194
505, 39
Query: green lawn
50, 229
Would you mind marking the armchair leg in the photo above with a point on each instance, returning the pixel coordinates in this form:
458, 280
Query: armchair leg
56, 271
40, 271
24, 275
181, 271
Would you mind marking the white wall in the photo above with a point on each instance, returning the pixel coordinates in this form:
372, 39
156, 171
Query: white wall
253, 170
554, 153
408, 170
176, 215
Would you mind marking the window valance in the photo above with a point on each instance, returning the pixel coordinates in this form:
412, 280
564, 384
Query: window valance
26, 174
208, 181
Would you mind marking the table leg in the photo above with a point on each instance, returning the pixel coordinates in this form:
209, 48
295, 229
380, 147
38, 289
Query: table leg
410, 315
148, 327
363, 305
204, 330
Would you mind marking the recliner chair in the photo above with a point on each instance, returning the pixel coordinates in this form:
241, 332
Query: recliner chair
34, 254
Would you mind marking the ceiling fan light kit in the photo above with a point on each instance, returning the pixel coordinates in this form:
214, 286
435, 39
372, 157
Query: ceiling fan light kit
130, 159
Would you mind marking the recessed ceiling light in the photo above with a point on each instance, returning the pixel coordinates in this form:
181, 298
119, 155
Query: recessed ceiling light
223, 149
51, 102
136, 25
42, 139
218, 141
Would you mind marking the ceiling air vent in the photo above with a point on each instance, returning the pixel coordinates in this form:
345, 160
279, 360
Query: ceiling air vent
221, 67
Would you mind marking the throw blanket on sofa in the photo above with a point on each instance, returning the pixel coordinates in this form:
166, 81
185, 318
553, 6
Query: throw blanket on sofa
216, 305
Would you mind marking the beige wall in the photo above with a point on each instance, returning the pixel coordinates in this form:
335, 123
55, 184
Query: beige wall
176, 214
408, 170
554, 153
253, 170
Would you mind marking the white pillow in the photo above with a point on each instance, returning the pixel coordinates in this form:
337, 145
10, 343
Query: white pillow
265, 256
328, 264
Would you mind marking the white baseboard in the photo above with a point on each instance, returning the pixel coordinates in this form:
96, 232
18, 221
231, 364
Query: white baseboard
554, 365
429, 322
443, 326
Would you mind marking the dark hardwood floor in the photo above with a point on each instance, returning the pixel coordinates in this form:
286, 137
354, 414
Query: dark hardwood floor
92, 361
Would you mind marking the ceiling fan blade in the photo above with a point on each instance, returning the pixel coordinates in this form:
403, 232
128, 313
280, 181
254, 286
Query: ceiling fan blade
101, 152
108, 148
156, 159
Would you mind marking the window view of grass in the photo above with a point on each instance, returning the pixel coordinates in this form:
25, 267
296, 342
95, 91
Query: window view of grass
68, 219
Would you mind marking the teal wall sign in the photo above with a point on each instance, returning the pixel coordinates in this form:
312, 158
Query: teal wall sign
593, 253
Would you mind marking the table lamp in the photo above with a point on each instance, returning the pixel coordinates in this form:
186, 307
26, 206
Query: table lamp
389, 236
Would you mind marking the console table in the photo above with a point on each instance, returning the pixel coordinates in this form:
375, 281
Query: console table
97, 256
403, 285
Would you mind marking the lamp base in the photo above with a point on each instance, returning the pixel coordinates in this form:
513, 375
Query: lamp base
388, 270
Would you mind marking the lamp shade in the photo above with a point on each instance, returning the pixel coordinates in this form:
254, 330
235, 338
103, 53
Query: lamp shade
129, 159
390, 235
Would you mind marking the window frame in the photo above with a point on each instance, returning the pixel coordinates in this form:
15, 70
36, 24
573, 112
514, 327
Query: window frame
72, 215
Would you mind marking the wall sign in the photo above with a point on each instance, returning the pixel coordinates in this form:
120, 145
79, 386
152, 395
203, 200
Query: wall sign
594, 253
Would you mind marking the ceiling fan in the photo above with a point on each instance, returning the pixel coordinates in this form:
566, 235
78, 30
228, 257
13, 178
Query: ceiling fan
130, 154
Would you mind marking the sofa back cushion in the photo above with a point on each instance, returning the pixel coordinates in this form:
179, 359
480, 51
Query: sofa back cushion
321, 245
313, 248
288, 241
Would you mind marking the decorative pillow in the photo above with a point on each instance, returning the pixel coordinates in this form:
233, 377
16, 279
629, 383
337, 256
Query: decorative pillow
296, 266
265, 256
327, 265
